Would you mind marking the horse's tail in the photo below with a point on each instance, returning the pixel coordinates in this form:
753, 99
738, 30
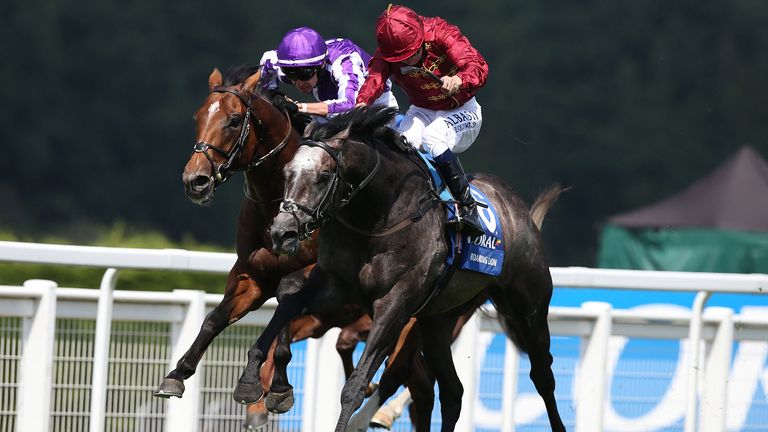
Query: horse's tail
544, 202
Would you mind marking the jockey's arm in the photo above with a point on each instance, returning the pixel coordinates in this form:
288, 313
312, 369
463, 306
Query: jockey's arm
269, 72
472, 67
373, 87
349, 74
314, 108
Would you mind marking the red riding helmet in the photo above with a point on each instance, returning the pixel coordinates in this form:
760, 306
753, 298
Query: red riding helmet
399, 33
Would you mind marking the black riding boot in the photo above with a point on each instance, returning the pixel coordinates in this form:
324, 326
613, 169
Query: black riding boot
467, 221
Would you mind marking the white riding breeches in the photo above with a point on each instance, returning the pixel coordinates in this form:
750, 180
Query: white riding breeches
437, 131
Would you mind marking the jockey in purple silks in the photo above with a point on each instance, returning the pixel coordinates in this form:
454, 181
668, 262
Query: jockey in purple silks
333, 71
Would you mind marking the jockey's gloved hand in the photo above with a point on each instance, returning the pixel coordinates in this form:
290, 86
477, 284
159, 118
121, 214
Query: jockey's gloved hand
282, 103
271, 94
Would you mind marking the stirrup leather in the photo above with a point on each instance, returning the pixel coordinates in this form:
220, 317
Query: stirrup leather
467, 220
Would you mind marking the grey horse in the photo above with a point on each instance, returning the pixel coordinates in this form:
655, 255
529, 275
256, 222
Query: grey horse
384, 246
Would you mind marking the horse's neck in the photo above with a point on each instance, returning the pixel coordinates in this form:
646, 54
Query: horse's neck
264, 182
261, 186
392, 195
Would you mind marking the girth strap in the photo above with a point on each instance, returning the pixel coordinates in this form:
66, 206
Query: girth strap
442, 282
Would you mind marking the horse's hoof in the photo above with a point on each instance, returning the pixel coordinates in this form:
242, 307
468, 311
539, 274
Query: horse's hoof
384, 418
169, 387
279, 402
255, 420
371, 389
247, 393
357, 424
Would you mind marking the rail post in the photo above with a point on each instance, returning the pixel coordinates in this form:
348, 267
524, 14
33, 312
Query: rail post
36, 365
591, 372
184, 413
101, 351
716, 370
509, 386
694, 371
465, 360
322, 383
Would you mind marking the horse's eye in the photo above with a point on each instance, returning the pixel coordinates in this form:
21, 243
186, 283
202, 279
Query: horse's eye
235, 121
324, 176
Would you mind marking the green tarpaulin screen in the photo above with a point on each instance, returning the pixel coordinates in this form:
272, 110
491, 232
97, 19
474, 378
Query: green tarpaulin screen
718, 224
684, 249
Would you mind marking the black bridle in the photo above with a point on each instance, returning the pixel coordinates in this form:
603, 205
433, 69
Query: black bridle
223, 172
319, 214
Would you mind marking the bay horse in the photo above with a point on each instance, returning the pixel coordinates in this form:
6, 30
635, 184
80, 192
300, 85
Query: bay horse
352, 177
237, 130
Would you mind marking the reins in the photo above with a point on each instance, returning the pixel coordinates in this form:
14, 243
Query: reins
398, 226
223, 172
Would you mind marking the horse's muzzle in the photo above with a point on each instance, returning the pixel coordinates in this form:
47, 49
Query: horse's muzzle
199, 188
285, 242
285, 235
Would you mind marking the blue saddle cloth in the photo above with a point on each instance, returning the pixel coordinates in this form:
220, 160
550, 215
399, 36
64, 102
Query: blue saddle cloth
485, 253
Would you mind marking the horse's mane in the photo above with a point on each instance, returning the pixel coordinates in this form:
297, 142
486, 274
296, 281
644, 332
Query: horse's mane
365, 123
238, 74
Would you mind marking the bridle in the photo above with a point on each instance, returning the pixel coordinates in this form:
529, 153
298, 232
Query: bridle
319, 214
223, 172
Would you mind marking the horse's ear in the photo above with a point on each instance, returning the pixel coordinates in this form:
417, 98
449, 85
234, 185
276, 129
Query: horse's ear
215, 79
310, 127
342, 136
251, 82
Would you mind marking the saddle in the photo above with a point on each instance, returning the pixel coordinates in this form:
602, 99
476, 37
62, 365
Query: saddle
484, 253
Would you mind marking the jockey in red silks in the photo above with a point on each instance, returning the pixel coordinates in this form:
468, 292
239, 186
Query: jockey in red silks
440, 71
331, 70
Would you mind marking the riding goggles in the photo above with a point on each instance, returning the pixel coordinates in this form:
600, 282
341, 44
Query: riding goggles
300, 73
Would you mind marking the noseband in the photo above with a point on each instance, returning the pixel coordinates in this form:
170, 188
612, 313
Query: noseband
318, 215
223, 172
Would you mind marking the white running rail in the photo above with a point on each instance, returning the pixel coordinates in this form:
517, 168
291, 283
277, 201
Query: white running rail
35, 345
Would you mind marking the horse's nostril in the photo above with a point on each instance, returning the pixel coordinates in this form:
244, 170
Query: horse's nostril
285, 241
200, 182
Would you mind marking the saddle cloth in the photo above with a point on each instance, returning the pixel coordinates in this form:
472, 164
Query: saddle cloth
484, 253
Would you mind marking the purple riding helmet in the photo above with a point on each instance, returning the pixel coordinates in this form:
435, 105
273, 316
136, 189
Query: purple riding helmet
300, 48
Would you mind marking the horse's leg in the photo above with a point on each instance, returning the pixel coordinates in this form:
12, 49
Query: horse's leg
531, 333
346, 343
345, 346
390, 316
267, 370
292, 297
419, 396
305, 327
436, 336
541, 370
274, 373
280, 396
395, 374
242, 295
421, 385
257, 415
406, 364
386, 416
421, 382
